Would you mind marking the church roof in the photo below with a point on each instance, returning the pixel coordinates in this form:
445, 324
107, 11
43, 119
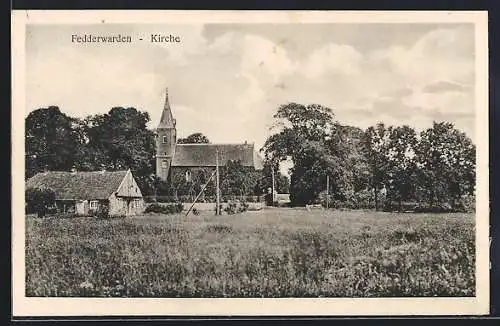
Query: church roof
79, 185
166, 120
203, 155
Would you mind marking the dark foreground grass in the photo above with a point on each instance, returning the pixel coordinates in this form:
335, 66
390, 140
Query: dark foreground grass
273, 253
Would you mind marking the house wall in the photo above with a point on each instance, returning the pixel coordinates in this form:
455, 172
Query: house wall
125, 205
82, 207
129, 187
127, 200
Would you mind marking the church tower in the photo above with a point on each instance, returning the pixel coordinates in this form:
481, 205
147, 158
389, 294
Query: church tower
166, 139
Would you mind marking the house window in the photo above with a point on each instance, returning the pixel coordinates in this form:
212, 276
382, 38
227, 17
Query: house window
188, 176
164, 164
93, 204
165, 139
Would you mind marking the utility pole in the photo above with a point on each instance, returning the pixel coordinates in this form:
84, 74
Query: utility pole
327, 190
217, 210
273, 182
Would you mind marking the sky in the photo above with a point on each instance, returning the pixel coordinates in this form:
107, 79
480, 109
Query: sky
227, 80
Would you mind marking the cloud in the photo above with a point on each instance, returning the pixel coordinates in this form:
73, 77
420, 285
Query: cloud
442, 54
332, 58
229, 86
260, 55
443, 86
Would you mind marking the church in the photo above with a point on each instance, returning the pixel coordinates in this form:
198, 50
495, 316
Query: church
190, 162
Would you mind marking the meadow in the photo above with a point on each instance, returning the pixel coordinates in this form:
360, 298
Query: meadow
277, 252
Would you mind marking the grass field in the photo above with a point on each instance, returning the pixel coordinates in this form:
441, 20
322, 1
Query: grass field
271, 253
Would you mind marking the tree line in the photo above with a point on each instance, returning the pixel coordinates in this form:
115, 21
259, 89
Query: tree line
120, 140
377, 167
380, 167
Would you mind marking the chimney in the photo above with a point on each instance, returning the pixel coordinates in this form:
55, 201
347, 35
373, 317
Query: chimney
45, 168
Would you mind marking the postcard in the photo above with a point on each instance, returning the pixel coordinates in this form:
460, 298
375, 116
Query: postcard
250, 163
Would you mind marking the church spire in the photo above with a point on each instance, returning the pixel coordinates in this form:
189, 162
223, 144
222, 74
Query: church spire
167, 120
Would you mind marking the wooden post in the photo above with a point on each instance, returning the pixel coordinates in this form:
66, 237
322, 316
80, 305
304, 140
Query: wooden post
217, 209
327, 190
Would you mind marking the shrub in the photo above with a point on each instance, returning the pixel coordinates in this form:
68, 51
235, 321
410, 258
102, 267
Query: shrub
466, 204
437, 208
102, 211
38, 200
393, 206
269, 200
236, 206
220, 208
63, 215
164, 209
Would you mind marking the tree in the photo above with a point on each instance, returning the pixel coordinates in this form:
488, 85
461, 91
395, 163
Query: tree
375, 146
281, 182
196, 138
236, 179
38, 200
52, 141
446, 162
309, 137
401, 163
119, 140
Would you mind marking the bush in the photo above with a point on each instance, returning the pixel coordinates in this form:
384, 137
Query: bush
394, 206
102, 211
363, 199
220, 209
38, 200
236, 206
164, 209
466, 204
268, 198
437, 208
63, 215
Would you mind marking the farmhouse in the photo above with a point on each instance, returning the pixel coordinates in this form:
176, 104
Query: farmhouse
175, 161
85, 192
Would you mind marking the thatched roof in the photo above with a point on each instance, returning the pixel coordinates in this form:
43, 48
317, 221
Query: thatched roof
203, 155
79, 185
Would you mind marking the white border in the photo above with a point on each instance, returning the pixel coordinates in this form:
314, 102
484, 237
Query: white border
23, 306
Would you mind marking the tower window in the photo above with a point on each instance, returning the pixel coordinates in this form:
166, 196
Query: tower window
188, 176
165, 139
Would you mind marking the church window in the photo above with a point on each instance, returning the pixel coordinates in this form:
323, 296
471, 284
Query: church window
188, 176
164, 164
165, 139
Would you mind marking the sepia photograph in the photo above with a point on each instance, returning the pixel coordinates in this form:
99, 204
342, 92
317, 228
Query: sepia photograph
277, 158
